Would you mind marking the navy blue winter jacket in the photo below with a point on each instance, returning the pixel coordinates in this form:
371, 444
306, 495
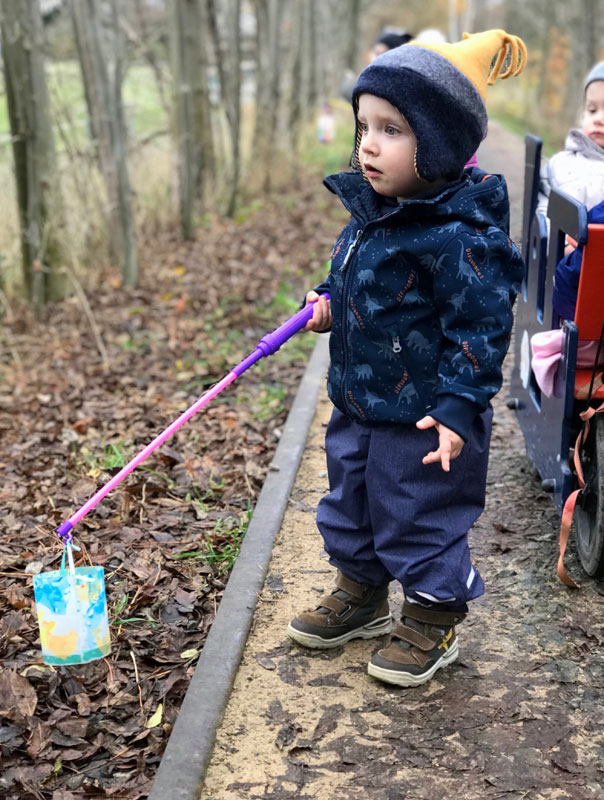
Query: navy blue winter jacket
421, 298
568, 272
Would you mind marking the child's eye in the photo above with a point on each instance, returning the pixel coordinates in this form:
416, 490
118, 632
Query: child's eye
391, 130
363, 126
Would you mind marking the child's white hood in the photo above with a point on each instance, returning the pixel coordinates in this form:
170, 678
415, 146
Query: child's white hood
578, 142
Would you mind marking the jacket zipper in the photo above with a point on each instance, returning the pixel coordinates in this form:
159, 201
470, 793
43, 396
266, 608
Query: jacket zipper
351, 250
344, 317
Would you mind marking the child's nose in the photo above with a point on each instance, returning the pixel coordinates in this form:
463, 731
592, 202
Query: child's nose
368, 142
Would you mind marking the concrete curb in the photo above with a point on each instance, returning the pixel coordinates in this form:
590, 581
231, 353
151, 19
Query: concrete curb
182, 768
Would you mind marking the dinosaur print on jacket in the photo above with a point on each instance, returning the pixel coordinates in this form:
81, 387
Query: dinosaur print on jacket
421, 297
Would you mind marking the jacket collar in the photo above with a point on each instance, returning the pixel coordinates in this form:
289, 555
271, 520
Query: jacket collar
367, 206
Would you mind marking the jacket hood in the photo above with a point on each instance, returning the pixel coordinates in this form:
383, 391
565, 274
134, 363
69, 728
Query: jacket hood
477, 198
578, 142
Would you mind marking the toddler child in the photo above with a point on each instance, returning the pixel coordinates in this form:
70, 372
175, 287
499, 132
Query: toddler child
578, 170
388, 39
422, 282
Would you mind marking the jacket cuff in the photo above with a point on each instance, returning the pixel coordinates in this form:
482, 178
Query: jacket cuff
456, 413
320, 289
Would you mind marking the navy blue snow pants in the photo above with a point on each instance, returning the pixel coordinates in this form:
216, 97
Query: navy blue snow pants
388, 516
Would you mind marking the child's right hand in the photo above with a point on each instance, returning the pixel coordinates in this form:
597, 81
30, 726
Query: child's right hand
321, 318
569, 245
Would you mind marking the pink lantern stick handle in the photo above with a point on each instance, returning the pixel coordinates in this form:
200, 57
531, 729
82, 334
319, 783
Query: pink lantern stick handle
65, 528
268, 345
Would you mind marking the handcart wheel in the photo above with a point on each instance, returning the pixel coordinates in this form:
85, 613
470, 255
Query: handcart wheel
589, 511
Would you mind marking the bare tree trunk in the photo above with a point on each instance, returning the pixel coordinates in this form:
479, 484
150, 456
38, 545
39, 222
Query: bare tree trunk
327, 49
453, 27
227, 44
468, 17
352, 54
234, 48
305, 77
192, 107
336, 43
589, 20
98, 39
40, 208
203, 108
313, 55
296, 103
268, 84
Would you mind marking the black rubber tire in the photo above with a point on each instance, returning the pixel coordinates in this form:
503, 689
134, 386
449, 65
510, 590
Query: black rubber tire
589, 512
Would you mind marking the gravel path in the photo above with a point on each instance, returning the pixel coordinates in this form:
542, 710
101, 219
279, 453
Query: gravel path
520, 714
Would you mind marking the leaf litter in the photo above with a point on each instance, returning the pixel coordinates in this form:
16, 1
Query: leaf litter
74, 408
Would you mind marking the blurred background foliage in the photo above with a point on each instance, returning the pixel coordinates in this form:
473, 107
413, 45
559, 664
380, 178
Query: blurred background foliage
265, 82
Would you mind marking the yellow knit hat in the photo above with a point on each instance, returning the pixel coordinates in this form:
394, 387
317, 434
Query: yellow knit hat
474, 56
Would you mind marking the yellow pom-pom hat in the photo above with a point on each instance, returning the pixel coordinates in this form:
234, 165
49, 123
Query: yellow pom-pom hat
440, 89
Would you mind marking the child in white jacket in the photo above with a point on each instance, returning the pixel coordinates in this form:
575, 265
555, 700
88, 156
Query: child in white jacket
578, 170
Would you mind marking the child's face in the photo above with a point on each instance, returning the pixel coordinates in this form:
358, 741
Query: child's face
387, 149
593, 113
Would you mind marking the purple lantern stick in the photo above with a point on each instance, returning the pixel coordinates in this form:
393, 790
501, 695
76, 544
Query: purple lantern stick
268, 345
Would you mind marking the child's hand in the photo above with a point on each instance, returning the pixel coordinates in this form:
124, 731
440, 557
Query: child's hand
569, 245
321, 318
450, 443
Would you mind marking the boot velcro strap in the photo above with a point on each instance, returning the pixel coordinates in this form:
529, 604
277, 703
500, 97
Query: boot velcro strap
349, 586
333, 604
431, 616
413, 637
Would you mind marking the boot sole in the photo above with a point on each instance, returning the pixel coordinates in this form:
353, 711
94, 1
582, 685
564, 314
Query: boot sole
376, 628
398, 677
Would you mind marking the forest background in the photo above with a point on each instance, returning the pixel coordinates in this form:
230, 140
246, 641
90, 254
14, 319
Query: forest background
126, 117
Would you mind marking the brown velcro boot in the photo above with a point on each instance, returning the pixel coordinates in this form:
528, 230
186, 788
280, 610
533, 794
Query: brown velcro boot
352, 611
424, 642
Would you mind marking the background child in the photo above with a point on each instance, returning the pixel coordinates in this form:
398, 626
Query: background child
578, 170
422, 283
387, 39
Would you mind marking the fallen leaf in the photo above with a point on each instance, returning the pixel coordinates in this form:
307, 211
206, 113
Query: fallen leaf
18, 697
155, 720
265, 661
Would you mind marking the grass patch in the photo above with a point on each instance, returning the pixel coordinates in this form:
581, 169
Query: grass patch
199, 497
223, 545
112, 457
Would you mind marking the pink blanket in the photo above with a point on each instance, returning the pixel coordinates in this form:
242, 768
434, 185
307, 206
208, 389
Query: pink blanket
546, 348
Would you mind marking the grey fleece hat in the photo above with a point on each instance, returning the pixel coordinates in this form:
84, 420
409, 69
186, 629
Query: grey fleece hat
595, 74
442, 106
440, 89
